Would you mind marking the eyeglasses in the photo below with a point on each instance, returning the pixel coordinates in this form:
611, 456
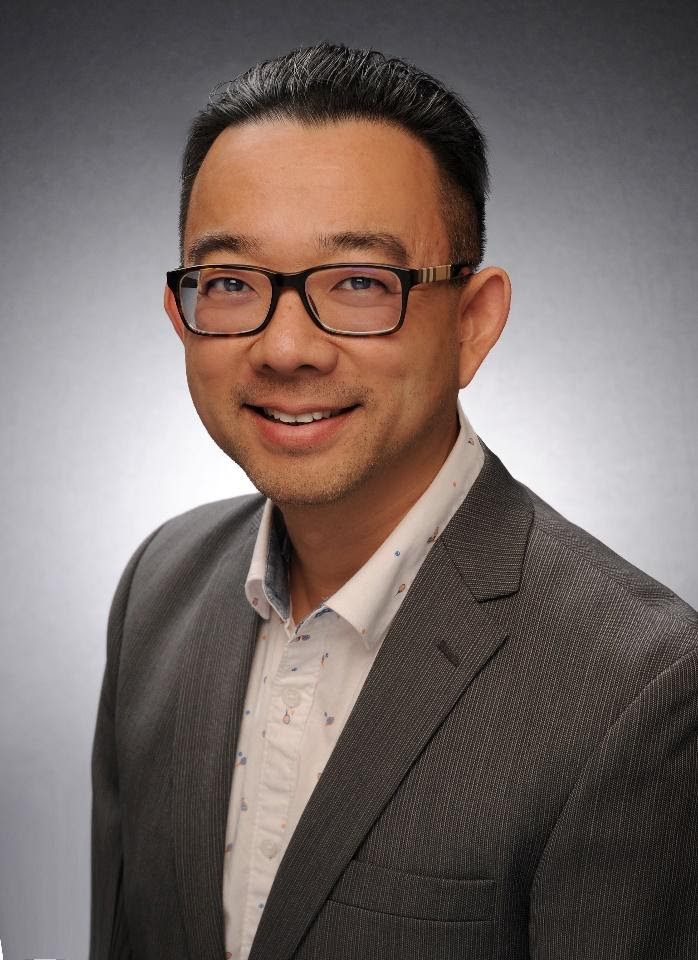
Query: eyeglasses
348, 299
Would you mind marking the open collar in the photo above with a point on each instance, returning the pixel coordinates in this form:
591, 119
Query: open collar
369, 601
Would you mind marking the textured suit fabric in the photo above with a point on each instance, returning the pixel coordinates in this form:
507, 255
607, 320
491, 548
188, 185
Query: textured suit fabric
517, 778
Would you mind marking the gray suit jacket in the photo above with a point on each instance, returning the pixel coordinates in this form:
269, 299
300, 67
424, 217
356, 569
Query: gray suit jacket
517, 779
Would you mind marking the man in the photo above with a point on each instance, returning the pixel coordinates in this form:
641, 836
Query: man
396, 706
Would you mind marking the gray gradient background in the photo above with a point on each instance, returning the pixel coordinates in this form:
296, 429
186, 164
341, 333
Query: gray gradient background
590, 397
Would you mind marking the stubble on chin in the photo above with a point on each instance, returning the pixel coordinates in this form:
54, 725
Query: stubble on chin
299, 478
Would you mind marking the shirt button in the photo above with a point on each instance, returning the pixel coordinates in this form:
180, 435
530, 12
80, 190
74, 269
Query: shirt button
269, 848
291, 697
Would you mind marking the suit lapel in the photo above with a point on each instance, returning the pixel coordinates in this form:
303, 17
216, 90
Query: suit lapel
221, 638
440, 639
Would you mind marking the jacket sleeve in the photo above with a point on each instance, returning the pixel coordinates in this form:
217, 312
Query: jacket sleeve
109, 939
619, 876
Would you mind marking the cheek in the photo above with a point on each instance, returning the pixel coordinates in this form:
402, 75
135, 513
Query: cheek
413, 386
430, 365
210, 367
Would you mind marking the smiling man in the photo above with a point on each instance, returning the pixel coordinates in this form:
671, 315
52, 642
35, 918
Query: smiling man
395, 706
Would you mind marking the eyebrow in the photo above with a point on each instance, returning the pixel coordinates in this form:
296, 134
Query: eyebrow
388, 244
225, 242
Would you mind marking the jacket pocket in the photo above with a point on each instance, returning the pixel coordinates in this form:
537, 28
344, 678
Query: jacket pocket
374, 888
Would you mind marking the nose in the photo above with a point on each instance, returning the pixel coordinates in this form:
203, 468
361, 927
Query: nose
291, 343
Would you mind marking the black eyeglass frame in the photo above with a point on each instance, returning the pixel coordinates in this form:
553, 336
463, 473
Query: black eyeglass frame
408, 277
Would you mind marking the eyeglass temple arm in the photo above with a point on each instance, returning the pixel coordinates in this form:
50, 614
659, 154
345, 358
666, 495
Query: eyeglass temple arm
446, 272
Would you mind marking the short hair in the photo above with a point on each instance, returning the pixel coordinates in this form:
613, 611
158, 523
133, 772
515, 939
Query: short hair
327, 83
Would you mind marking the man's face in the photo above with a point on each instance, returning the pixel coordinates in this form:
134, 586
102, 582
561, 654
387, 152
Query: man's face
285, 196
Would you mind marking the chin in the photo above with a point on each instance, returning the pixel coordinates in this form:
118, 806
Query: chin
307, 481
302, 485
300, 493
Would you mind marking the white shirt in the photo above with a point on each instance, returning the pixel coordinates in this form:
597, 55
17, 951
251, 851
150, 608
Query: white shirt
305, 680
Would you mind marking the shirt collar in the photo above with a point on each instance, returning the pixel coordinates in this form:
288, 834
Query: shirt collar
267, 578
371, 598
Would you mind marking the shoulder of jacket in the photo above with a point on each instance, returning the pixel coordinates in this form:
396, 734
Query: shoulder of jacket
200, 537
234, 514
602, 575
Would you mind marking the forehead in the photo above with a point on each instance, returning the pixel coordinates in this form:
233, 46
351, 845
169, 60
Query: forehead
283, 179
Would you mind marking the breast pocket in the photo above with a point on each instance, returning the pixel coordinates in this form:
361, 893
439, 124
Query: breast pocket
378, 913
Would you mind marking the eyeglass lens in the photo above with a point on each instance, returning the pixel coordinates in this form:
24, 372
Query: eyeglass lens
229, 300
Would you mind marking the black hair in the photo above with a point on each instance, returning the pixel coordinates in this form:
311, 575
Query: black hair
330, 82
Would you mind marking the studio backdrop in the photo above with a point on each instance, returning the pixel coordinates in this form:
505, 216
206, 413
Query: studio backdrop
590, 397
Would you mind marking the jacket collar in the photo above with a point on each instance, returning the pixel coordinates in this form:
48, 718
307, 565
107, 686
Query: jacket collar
488, 535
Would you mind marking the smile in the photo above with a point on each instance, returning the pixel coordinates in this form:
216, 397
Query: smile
299, 417
296, 419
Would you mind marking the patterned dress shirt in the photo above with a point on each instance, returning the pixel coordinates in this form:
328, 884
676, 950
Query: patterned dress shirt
305, 679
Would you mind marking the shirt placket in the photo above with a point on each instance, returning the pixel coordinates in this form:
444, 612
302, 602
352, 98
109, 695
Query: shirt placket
292, 694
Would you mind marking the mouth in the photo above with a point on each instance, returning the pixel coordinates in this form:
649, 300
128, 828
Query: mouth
297, 419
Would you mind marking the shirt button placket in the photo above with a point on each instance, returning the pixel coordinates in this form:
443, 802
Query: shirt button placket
291, 697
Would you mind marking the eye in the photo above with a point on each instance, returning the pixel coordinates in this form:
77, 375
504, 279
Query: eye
359, 282
225, 285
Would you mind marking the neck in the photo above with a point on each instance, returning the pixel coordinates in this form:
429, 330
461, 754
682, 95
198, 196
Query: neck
330, 542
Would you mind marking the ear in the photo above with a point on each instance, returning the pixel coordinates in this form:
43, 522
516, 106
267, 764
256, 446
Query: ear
483, 311
173, 313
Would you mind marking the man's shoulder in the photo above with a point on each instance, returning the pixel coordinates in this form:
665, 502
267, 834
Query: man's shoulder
597, 616
563, 597
199, 538
577, 616
517, 550
235, 516
582, 569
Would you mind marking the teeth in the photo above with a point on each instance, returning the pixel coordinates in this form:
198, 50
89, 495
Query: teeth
300, 418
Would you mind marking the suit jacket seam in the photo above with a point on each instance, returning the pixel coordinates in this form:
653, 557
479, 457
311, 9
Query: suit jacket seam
454, 563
